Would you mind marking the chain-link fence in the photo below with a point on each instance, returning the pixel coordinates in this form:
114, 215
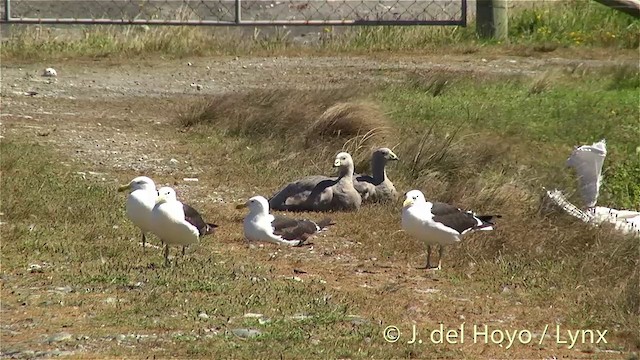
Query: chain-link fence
237, 12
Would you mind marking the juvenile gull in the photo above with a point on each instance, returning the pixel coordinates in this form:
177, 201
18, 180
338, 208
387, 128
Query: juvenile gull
327, 194
176, 223
438, 223
140, 202
259, 225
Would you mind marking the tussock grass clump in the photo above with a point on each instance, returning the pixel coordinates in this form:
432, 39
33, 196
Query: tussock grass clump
304, 115
345, 120
432, 82
542, 82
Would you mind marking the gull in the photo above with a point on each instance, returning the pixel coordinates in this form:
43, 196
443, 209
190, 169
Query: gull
140, 202
438, 223
259, 225
176, 223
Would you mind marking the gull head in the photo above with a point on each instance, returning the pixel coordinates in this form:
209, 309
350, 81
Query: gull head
166, 194
257, 205
413, 197
139, 183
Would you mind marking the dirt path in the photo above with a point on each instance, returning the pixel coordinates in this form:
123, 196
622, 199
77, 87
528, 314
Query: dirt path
114, 120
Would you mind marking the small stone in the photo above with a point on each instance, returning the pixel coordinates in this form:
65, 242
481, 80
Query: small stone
173, 161
246, 333
63, 336
50, 72
136, 285
203, 315
357, 320
253, 315
35, 268
299, 317
64, 289
189, 63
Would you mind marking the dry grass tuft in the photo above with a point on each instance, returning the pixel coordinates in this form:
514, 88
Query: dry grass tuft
314, 117
362, 122
543, 82
433, 82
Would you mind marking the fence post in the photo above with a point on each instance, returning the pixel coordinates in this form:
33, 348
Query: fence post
7, 10
238, 12
492, 19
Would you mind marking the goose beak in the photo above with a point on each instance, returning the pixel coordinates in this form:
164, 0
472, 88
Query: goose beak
393, 156
336, 163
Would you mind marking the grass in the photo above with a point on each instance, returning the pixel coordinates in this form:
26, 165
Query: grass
79, 247
540, 29
499, 155
451, 145
486, 142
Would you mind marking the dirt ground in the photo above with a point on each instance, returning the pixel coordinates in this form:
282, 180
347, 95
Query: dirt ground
113, 119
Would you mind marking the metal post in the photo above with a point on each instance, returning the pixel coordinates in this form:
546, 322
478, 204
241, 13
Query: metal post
492, 20
7, 10
238, 12
463, 13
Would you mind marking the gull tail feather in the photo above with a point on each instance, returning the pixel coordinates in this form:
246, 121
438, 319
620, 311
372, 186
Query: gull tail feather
211, 228
324, 223
486, 222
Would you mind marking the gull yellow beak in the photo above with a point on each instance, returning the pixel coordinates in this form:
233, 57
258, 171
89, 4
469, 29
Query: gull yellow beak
160, 199
124, 187
407, 202
336, 163
242, 206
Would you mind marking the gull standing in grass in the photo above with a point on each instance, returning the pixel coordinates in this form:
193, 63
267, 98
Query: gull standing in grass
140, 202
438, 223
176, 223
259, 225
